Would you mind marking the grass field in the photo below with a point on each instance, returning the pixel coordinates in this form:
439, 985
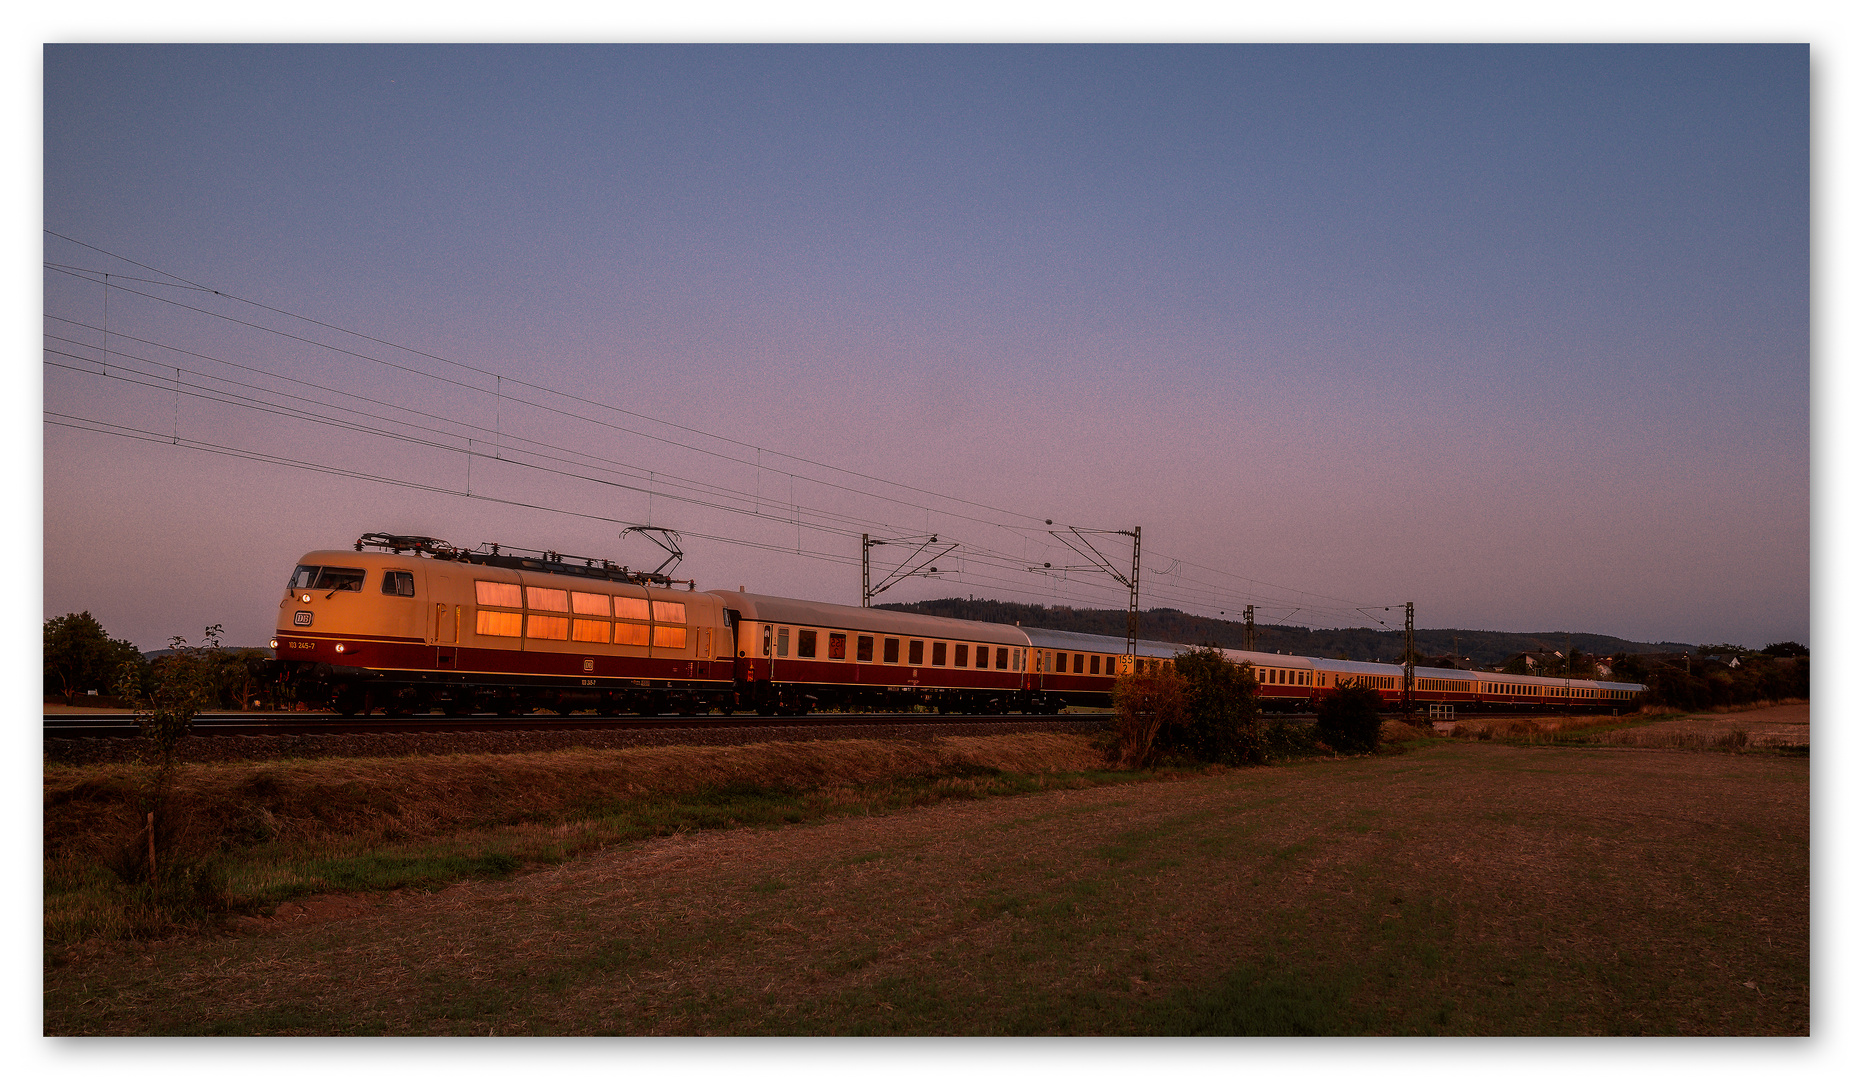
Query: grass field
1462, 887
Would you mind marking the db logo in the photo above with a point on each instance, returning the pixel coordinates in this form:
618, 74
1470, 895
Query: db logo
304, 618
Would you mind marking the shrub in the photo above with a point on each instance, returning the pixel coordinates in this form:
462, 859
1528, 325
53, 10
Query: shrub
1348, 720
1145, 704
1223, 721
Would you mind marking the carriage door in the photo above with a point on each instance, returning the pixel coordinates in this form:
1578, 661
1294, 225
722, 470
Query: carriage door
445, 617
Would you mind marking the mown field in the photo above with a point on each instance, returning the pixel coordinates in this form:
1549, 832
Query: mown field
1008, 886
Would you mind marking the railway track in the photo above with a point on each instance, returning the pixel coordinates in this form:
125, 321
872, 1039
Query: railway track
109, 725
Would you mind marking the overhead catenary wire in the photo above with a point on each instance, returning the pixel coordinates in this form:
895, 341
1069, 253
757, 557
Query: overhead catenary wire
443, 432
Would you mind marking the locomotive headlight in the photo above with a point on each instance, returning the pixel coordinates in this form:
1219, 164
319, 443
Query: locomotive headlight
305, 598
273, 643
339, 647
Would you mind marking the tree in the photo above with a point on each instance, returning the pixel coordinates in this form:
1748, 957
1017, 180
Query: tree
80, 656
1348, 720
1145, 703
1223, 713
1785, 649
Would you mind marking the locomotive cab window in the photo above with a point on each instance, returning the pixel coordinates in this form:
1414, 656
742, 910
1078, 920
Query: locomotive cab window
397, 583
327, 579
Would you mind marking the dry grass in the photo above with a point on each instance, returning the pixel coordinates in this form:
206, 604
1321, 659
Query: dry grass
1459, 888
1769, 726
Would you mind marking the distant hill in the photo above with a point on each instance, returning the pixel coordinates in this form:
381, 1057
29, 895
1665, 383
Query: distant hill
1485, 648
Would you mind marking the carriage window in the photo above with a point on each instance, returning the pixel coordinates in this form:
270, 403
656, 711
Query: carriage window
939, 654
807, 643
397, 583
890, 650
784, 641
1093, 665
915, 649
984, 656
498, 594
958, 655
1111, 664
838, 644
1061, 661
865, 649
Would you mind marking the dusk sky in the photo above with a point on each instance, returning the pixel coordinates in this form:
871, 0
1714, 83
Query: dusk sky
1520, 333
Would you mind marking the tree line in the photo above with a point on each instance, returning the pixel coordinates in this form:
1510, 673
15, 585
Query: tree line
82, 660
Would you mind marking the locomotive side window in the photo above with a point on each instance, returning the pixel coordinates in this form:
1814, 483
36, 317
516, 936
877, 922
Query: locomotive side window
807, 643
498, 623
939, 654
838, 644
669, 637
865, 649
625, 633
592, 603
547, 627
984, 656
891, 650
592, 630
915, 650
547, 599
498, 594
959, 654
631, 607
397, 583
669, 611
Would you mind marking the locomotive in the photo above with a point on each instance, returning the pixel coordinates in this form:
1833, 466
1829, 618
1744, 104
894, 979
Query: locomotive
408, 624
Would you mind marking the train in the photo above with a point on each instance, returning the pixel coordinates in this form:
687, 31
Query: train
410, 625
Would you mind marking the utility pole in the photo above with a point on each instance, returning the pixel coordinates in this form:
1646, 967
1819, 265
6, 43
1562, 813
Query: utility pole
1408, 661
907, 568
1100, 563
1248, 628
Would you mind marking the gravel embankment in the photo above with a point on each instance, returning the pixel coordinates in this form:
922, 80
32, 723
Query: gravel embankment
198, 748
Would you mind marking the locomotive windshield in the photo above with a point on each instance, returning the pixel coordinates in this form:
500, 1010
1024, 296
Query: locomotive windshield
329, 578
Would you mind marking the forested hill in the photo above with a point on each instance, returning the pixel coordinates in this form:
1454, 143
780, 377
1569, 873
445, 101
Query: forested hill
1485, 648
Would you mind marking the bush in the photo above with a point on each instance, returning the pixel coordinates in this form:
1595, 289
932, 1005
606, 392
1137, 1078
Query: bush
1348, 720
1223, 721
1145, 704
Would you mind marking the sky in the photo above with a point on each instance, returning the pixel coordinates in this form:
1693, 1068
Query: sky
1520, 334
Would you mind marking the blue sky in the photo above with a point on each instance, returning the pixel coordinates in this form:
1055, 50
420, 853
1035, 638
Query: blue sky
1518, 333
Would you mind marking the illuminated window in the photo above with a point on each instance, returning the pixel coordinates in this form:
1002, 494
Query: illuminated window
498, 623
499, 594
669, 637
890, 650
959, 655
915, 649
838, 645
547, 600
591, 603
625, 633
865, 649
939, 654
547, 627
807, 644
669, 611
631, 607
589, 630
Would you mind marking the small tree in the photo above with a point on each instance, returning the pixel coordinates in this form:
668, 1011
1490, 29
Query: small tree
1145, 703
1348, 720
178, 686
